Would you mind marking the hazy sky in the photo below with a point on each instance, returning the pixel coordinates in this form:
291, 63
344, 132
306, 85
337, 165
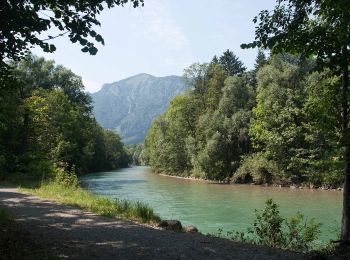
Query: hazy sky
162, 38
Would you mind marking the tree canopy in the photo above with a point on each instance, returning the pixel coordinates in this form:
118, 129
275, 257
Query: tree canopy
320, 29
22, 24
46, 121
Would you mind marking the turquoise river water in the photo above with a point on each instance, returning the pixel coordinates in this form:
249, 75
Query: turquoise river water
213, 206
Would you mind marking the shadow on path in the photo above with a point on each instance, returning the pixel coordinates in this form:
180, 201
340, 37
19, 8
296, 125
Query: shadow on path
69, 232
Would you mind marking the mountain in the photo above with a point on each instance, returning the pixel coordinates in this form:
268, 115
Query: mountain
130, 105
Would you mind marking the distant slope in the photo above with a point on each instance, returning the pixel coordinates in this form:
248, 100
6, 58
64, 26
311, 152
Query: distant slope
130, 105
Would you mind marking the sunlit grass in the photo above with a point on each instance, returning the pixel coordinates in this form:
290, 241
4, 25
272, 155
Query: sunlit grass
85, 200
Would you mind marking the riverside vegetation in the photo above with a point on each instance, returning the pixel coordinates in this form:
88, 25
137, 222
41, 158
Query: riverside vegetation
47, 120
64, 188
271, 229
48, 134
274, 124
282, 122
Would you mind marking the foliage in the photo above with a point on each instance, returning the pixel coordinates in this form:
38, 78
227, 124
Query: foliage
278, 127
204, 131
231, 64
294, 25
320, 29
22, 24
255, 168
136, 154
47, 120
69, 180
271, 229
281, 112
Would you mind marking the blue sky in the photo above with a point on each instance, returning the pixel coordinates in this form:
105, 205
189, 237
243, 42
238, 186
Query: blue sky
162, 38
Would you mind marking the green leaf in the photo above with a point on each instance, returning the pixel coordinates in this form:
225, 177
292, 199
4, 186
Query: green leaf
85, 49
93, 50
99, 38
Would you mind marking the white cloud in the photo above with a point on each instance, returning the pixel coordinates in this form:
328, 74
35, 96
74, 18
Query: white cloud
159, 26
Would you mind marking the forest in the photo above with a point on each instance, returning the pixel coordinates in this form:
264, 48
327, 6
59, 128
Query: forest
47, 123
276, 124
284, 122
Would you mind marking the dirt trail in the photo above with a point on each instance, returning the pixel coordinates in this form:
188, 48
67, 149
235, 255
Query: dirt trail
71, 233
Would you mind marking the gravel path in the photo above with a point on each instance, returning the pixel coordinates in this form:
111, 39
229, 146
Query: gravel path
71, 233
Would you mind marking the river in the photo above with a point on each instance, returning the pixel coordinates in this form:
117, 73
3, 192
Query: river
213, 206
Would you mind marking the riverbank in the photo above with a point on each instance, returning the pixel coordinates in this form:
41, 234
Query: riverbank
73, 194
292, 186
73, 233
212, 207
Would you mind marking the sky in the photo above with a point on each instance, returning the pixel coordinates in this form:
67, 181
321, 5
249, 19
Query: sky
162, 38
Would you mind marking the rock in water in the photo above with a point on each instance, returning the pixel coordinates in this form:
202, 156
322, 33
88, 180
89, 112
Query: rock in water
173, 225
191, 229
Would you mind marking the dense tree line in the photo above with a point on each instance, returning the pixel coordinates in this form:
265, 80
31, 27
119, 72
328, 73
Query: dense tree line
274, 124
136, 154
47, 122
45, 117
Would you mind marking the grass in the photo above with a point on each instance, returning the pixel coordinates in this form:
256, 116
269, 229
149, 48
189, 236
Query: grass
76, 196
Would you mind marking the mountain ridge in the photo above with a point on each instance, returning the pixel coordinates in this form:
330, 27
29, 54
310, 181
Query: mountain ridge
130, 105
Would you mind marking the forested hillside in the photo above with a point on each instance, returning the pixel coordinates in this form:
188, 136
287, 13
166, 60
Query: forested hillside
129, 106
278, 123
47, 123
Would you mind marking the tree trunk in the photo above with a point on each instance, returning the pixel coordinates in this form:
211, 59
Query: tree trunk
345, 227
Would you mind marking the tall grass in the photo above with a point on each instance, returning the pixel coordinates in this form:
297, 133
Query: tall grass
67, 191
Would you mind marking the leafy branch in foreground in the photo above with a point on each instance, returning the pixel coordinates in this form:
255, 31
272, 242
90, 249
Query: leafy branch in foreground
23, 22
271, 229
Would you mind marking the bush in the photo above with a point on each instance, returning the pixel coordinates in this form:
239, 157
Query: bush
271, 229
39, 168
66, 179
255, 168
331, 179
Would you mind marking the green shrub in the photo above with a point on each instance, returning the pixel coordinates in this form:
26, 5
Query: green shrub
39, 168
271, 229
67, 179
268, 225
255, 168
332, 179
197, 174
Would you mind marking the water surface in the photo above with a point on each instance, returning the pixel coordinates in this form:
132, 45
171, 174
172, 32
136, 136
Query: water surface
213, 206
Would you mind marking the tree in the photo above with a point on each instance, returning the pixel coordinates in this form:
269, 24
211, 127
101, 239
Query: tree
115, 154
260, 60
278, 126
319, 28
46, 119
195, 76
231, 64
214, 60
22, 23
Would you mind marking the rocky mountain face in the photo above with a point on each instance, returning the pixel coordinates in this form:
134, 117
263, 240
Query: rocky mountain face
130, 105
